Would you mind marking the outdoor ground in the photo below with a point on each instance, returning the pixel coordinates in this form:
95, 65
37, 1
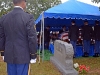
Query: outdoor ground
47, 68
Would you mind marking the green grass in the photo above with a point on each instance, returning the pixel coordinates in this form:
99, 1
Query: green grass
47, 55
47, 68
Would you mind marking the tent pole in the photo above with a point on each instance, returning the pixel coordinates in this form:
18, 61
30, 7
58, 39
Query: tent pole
40, 46
43, 36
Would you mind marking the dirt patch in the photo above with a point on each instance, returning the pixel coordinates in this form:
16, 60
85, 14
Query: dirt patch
97, 71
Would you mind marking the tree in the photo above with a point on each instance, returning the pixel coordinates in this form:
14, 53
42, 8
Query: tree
5, 6
37, 6
95, 1
33, 6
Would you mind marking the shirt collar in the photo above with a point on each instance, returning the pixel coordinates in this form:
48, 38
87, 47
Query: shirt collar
18, 7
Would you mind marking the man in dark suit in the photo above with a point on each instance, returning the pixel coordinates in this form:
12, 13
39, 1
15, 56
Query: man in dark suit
97, 38
73, 35
46, 37
18, 39
87, 33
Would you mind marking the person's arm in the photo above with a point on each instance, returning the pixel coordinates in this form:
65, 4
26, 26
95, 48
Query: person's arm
32, 38
2, 38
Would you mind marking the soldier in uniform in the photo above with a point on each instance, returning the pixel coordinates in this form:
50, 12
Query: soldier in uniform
86, 34
73, 35
46, 37
97, 38
18, 39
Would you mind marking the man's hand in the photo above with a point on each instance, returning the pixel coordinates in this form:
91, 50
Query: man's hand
3, 57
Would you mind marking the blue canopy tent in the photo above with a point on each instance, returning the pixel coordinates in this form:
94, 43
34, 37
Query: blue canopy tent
62, 14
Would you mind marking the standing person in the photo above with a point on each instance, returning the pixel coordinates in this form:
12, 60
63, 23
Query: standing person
86, 34
46, 37
97, 39
73, 35
18, 39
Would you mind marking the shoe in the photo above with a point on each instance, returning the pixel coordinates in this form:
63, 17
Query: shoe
74, 57
96, 55
85, 54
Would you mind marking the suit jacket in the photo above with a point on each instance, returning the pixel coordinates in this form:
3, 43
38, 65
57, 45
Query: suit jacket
73, 33
87, 32
18, 37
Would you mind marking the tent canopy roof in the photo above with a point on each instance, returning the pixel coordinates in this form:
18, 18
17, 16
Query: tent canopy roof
72, 9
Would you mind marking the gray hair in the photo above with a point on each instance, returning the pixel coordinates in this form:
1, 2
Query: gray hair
18, 1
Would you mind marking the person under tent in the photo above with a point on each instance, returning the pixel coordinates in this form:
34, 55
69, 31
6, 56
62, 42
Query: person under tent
87, 34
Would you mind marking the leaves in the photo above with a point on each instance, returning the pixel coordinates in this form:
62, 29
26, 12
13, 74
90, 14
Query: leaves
5, 6
95, 1
33, 6
36, 7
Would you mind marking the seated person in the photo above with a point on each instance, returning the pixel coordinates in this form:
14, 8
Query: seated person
54, 36
62, 30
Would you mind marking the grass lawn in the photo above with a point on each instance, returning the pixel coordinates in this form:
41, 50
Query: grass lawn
47, 68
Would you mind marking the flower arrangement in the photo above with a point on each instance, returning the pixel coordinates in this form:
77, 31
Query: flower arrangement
82, 69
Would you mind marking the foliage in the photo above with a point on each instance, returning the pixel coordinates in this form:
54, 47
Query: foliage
33, 6
38, 6
5, 6
95, 1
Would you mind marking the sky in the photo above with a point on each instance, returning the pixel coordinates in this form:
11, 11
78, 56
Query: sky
85, 1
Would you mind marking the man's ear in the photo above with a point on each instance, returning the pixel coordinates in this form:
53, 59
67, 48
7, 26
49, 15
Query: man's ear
24, 4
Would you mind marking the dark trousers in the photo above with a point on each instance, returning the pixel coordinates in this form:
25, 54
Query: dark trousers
46, 45
74, 46
86, 46
17, 69
97, 47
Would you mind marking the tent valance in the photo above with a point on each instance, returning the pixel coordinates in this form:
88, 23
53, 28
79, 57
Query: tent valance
72, 9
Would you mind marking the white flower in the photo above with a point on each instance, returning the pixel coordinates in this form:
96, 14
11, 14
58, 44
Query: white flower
76, 65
